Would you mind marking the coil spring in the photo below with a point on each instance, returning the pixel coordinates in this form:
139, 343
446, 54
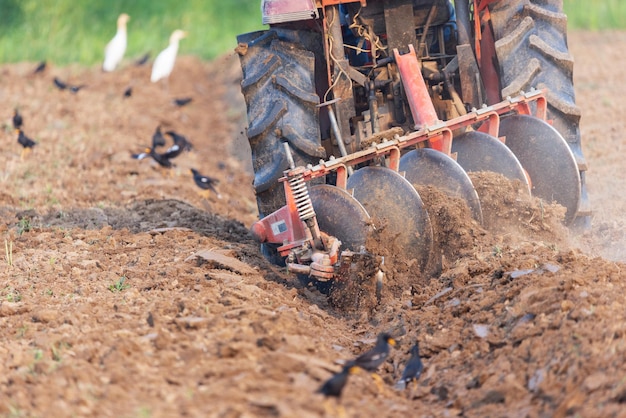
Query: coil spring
302, 198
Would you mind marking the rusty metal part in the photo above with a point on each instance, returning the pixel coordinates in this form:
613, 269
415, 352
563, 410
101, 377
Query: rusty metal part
427, 167
547, 158
341, 215
399, 24
391, 199
478, 151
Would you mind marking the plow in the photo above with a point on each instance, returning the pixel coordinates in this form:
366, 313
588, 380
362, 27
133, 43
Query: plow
355, 105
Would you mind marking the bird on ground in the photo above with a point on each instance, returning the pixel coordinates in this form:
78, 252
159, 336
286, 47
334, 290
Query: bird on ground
412, 370
25, 142
115, 49
161, 159
183, 101
141, 61
180, 144
372, 359
18, 121
333, 387
128, 92
164, 62
65, 86
207, 184
60, 84
75, 89
40, 68
158, 140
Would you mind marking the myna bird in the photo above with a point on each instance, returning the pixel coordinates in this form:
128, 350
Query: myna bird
412, 370
141, 61
25, 142
333, 387
40, 68
371, 360
182, 101
158, 140
115, 49
75, 89
180, 140
207, 184
17, 119
63, 86
161, 159
60, 84
164, 62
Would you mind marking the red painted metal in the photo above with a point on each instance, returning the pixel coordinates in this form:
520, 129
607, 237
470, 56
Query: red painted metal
420, 102
488, 59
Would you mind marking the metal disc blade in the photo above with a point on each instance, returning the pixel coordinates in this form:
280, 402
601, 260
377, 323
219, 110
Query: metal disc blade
428, 167
547, 158
390, 198
478, 151
340, 215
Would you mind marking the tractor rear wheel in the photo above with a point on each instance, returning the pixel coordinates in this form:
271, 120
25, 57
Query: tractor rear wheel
279, 88
531, 47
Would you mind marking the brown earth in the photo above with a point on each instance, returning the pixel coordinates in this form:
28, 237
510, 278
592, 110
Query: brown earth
125, 294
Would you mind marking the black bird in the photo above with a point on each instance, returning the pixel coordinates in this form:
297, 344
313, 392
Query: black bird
40, 67
17, 119
334, 386
25, 142
372, 359
412, 370
183, 101
128, 92
75, 89
180, 144
158, 140
141, 61
60, 85
205, 183
161, 159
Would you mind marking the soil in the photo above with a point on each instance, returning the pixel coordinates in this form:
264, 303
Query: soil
125, 293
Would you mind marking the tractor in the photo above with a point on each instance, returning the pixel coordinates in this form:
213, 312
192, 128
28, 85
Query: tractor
352, 104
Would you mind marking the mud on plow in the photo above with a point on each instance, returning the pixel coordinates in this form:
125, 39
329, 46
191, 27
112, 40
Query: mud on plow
393, 121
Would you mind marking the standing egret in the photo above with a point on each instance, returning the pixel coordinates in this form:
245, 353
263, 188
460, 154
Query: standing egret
164, 62
114, 51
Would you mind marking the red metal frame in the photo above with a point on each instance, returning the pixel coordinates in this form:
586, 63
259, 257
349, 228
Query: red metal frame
487, 119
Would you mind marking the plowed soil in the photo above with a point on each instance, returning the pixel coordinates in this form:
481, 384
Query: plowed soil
124, 293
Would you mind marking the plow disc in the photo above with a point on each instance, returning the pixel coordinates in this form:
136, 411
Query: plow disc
391, 199
427, 167
547, 158
341, 215
477, 151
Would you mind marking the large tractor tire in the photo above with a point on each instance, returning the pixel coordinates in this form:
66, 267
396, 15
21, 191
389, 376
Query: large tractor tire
531, 48
279, 89
280, 92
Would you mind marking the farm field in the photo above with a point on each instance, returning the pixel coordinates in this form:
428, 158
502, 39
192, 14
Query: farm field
124, 293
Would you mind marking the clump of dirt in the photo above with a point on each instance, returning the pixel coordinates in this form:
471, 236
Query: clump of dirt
456, 232
511, 213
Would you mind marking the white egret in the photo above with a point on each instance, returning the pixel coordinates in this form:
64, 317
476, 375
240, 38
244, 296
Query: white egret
114, 51
164, 62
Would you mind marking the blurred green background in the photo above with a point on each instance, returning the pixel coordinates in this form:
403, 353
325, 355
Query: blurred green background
76, 31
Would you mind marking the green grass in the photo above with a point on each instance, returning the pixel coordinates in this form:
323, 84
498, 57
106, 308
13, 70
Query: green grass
595, 14
76, 31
